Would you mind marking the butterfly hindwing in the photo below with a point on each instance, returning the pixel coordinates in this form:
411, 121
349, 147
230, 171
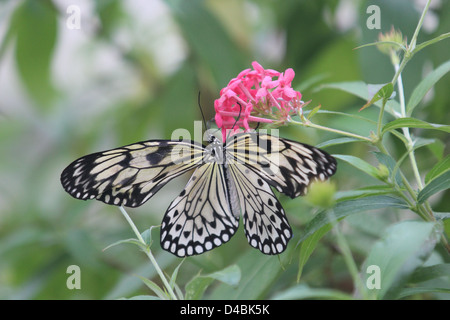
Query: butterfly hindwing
200, 218
130, 175
287, 165
265, 222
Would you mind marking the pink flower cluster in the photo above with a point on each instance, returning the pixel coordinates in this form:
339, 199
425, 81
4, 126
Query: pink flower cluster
255, 96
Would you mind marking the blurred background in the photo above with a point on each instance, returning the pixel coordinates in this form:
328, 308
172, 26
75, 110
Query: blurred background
78, 77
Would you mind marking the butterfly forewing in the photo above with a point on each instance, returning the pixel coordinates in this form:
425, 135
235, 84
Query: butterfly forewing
287, 165
130, 175
200, 218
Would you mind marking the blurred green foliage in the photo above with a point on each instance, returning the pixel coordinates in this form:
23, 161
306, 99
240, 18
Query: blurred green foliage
131, 72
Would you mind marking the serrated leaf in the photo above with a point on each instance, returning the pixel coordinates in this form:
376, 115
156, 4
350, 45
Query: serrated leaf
425, 85
404, 247
413, 123
439, 183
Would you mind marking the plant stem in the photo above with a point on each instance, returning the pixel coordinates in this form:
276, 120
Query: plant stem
409, 144
148, 253
412, 45
349, 261
422, 212
380, 119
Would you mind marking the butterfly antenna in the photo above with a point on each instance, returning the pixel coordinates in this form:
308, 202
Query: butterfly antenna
201, 111
239, 116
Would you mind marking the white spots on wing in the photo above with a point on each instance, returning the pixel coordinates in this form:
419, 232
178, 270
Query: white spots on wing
199, 249
280, 247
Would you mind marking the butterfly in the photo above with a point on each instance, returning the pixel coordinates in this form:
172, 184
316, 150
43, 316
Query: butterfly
229, 180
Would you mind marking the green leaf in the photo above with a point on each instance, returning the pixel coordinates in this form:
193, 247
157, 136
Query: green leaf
202, 32
173, 280
128, 283
131, 240
349, 207
313, 112
404, 247
437, 149
379, 92
420, 290
308, 83
421, 142
363, 192
197, 286
439, 183
430, 42
359, 164
390, 163
147, 236
259, 272
430, 272
143, 297
359, 89
425, 85
349, 115
413, 123
35, 26
304, 292
308, 246
336, 141
155, 288
439, 168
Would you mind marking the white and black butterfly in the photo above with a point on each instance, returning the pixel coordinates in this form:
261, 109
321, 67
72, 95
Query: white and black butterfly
230, 179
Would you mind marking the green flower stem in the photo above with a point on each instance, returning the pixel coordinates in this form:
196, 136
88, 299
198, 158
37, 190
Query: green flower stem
148, 253
409, 144
308, 123
412, 45
349, 261
427, 216
423, 212
380, 119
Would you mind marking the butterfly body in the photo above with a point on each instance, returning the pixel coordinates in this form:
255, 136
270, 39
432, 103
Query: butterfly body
230, 179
